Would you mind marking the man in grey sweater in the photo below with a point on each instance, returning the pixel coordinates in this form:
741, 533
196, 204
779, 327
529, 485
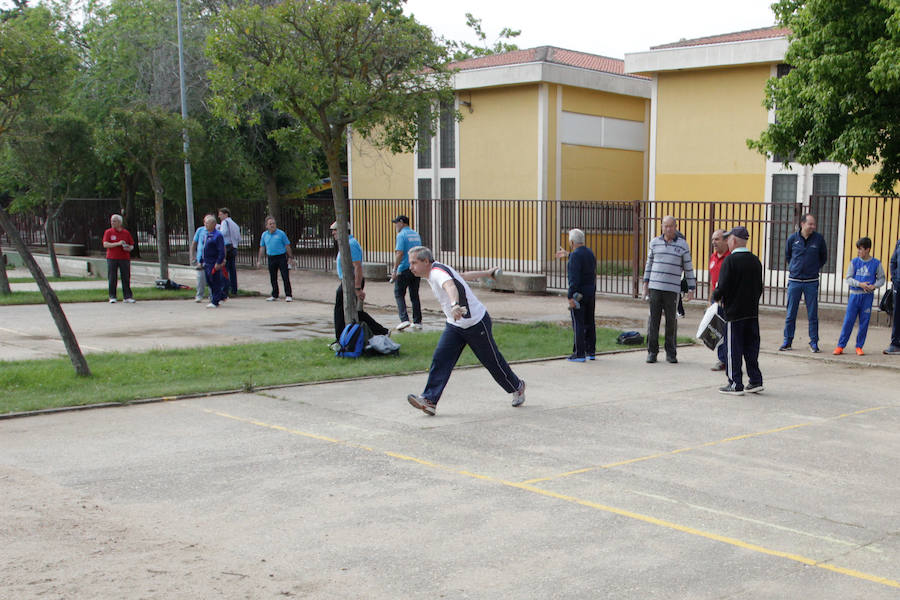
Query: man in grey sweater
668, 257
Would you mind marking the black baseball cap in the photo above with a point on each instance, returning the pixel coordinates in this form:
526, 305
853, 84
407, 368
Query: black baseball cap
740, 232
401, 218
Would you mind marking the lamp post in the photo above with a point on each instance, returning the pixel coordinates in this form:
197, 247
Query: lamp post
188, 186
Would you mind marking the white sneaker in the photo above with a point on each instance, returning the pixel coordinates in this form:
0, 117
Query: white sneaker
198, 299
519, 394
288, 299
112, 300
270, 299
402, 325
130, 300
417, 326
211, 305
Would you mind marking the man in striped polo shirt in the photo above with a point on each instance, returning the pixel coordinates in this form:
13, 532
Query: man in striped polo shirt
668, 257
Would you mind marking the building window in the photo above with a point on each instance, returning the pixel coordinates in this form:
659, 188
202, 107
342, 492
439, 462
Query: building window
784, 201
595, 217
436, 177
424, 149
825, 205
448, 214
447, 137
424, 221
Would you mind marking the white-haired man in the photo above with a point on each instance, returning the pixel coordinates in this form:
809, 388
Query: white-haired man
582, 272
468, 324
119, 244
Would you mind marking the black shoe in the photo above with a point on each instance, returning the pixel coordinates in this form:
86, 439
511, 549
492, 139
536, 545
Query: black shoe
754, 388
719, 366
892, 350
814, 347
672, 359
731, 390
424, 404
651, 358
785, 346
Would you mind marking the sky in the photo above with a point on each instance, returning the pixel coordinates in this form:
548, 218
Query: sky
606, 27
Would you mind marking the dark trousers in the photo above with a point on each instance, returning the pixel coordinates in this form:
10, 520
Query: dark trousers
374, 326
114, 267
584, 327
743, 345
721, 350
406, 280
895, 327
480, 339
277, 263
662, 302
231, 265
216, 282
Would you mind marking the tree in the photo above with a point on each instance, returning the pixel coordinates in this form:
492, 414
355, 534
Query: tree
463, 50
839, 101
147, 139
48, 151
32, 58
330, 64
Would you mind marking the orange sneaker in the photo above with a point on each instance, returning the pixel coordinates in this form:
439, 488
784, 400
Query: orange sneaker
838, 350
859, 352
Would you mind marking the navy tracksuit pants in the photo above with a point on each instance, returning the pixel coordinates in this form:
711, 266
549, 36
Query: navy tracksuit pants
858, 305
584, 327
742, 345
480, 339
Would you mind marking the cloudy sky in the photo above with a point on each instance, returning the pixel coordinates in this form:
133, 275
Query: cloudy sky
606, 27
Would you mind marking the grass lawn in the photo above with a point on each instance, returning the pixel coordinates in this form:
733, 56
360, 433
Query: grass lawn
101, 295
118, 377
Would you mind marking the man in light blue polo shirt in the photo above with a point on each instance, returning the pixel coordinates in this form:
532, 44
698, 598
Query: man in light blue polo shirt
277, 247
196, 254
402, 277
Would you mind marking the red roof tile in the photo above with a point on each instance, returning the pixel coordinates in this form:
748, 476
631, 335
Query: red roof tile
549, 54
739, 36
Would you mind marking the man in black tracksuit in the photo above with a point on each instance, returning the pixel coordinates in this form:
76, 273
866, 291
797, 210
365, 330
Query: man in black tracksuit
739, 289
582, 271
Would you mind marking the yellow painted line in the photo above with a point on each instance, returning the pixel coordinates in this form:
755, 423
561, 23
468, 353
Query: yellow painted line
588, 503
698, 447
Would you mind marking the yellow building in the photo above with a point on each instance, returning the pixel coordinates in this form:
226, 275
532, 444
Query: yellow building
543, 124
706, 101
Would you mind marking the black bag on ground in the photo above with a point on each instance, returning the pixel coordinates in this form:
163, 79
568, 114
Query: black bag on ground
630, 338
887, 301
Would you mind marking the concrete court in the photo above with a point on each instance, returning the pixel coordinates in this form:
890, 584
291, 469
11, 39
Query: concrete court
616, 479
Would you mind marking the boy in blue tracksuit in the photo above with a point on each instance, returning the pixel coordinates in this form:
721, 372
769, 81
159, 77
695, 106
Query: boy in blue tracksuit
864, 275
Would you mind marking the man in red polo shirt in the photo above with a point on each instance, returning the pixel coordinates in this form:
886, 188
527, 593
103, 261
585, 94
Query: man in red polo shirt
720, 251
119, 244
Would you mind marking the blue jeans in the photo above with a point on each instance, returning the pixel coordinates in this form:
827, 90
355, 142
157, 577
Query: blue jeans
810, 292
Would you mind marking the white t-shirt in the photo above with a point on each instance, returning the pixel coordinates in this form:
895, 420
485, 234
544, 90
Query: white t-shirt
441, 273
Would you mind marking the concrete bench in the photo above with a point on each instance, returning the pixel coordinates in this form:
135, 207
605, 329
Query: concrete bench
70, 249
374, 271
524, 283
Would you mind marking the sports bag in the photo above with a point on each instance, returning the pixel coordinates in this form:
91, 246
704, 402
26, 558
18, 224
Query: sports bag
352, 341
887, 301
630, 338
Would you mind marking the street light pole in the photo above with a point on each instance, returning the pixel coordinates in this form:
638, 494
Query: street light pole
188, 185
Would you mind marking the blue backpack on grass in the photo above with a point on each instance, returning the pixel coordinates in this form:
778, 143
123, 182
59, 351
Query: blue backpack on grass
353, 340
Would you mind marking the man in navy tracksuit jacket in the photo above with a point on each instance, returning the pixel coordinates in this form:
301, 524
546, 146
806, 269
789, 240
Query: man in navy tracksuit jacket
806, 254
582, 271
739, 290
213, 261
894, 348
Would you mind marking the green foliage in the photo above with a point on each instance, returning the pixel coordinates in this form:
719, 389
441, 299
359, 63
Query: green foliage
463, 50
839, 103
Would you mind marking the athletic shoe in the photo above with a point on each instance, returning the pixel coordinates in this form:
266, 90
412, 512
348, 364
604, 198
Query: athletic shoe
271, 299
519, 394
672, 359
424, 404
814, 347
754, 388
892, 350
288, 299
786, 345
731, 390
130, 300
859, 352
402, 325
417, 326
198, 299
112, 300
574, 358
651, 358
719, 366
211, 305
838, 351
591, 357
679, 315
334, 346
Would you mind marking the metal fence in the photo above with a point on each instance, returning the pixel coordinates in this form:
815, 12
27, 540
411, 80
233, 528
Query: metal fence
524, 235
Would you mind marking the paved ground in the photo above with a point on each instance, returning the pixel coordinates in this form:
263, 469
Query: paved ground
617, 479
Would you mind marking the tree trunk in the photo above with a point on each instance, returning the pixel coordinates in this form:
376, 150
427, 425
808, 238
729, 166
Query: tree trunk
342, 217
50, 234
162, 238
272, 198
4, 280
129, 185
56, 311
